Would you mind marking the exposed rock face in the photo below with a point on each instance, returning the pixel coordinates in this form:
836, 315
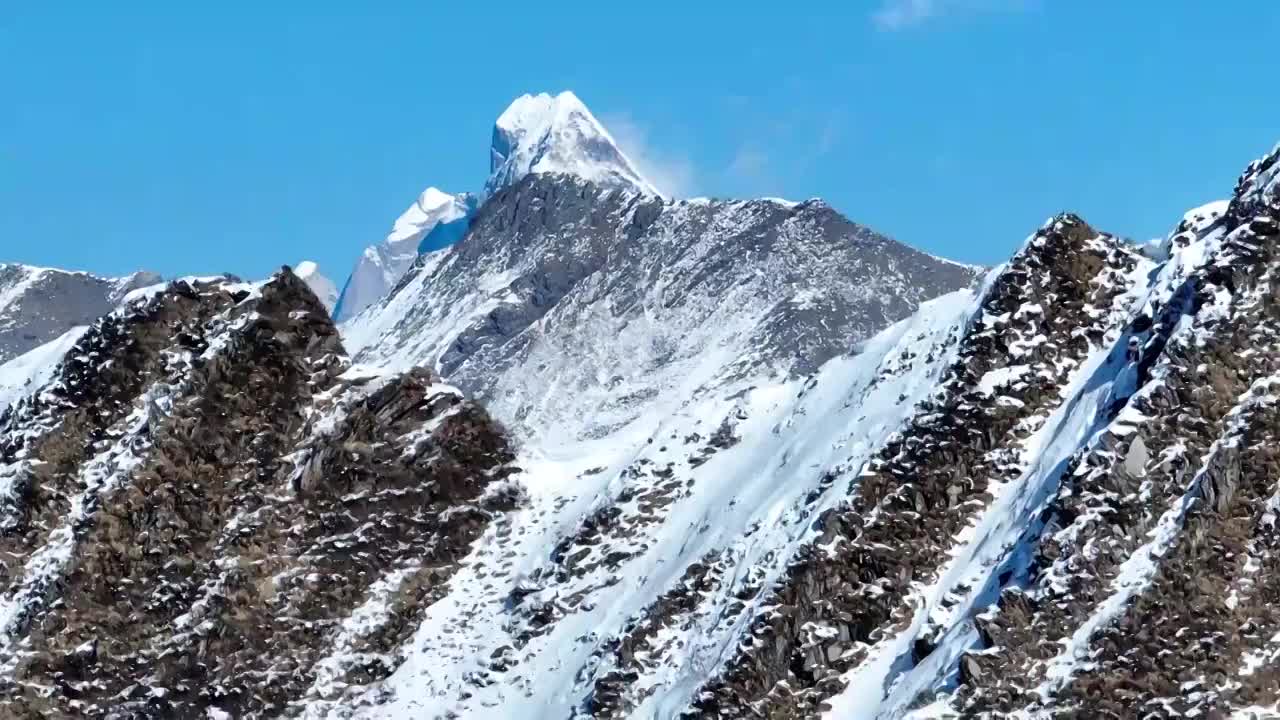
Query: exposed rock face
207, 512
564, 290
39, 304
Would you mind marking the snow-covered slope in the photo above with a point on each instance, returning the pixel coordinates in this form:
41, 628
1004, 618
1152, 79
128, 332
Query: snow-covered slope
656, 359
1052, 496
322, 286
618, 584
381, 266
557, 134
31, 370
574, 311
39, 304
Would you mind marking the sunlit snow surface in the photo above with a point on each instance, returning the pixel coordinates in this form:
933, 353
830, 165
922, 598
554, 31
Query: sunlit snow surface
557, 134
27, 373
747, 501
382, 265
326, 292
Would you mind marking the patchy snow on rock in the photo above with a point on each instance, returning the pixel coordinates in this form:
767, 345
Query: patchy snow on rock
745, 502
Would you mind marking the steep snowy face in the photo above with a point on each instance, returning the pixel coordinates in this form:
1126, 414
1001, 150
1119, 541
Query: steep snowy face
322, 286
1146, 581
1082, 521
207, 512
28, 372
39, 304
381, 266
871, 614
657, 359
573, 311
634, 561
557, 134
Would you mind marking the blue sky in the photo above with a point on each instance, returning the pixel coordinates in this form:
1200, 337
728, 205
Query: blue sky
244, 135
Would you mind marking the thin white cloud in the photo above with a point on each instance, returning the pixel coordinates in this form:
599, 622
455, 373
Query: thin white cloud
748, 163
832, 132
673, 175
897, 14
751, 172
900, 14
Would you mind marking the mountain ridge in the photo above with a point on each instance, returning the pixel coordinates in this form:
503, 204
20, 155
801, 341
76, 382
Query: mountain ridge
37, 304
540, 258
713, 459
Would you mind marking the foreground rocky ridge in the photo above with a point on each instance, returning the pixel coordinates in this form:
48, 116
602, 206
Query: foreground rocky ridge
208, 510
847, 595
1152, 589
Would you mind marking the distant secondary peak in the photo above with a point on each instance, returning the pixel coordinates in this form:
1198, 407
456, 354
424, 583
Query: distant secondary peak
431, 207
557, 134
323, 287
381, 266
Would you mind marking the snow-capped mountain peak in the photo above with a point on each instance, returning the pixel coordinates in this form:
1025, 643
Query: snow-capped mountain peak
431, 207
537, 134
382, 265
557, 134
309, 272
